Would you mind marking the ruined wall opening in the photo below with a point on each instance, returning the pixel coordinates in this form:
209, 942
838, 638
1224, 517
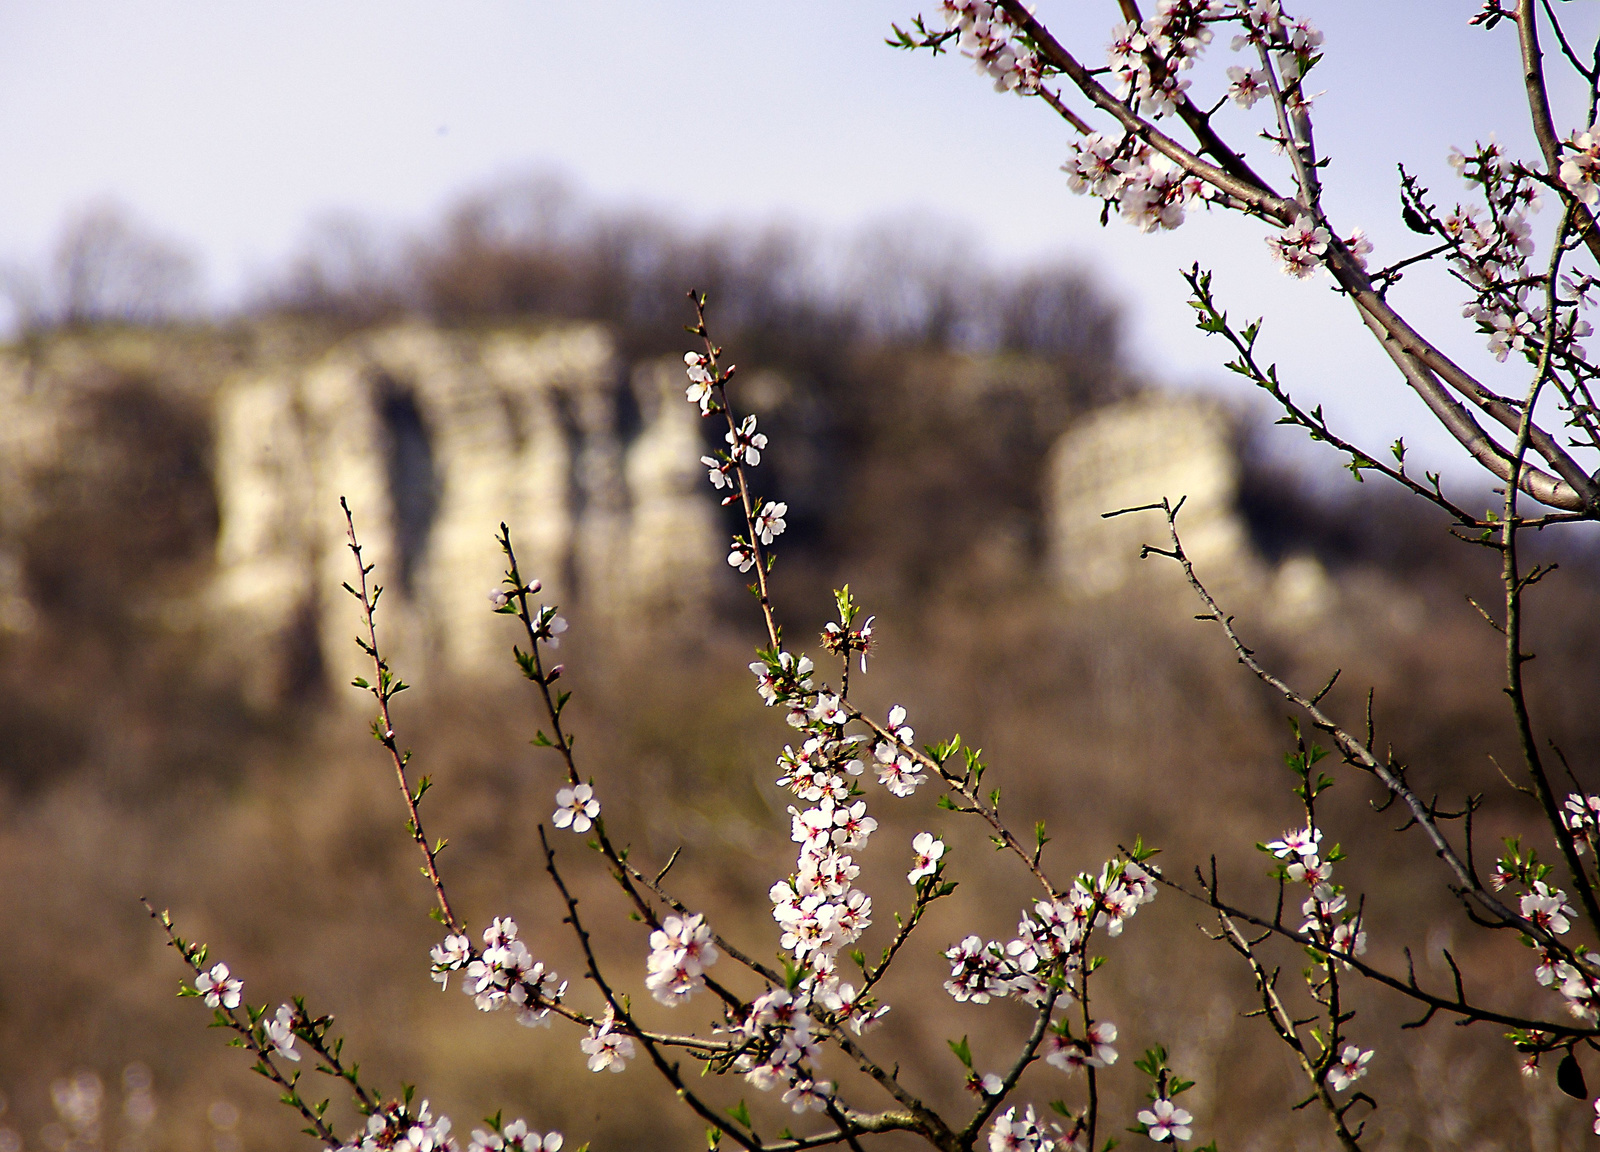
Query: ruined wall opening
412, 476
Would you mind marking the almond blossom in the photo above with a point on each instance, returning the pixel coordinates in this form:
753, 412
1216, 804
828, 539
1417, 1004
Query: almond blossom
1350, 1067
928, 849
219, 989
1581, 166
1299, 247
769, 520
680, 952
606, 1047
1164, 1121
1548, 908
280, 1032
576, 808
1021, 1132
393, 1127
515, 1137
702, 385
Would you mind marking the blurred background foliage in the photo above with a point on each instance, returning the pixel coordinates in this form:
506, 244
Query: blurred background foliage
131, 768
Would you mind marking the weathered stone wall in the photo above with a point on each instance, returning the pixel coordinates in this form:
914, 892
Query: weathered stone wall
435, 438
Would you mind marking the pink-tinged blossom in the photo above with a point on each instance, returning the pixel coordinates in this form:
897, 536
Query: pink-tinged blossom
551, 633
680, 952
976, 971
506, 975
985, 38
899, 775
808, 1095
1102, 1035
1350, 1067
1246, 86
1359, 248
742, 556
1579, 816
1299, 247
852, 826
1349, 938
515, 1137
1597, 1117
219, 989
1511, 332
1154, 193
1580, 166
499, 597
1092, 166
280, 1033
605, 1047
769, 521
928, 849
576, 808
1548, 908
791, 676
1164, 1121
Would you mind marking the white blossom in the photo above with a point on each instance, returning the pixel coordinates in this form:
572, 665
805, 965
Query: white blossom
280, 1033
392, 1127
219, 989
680, 952
1299, 247
928, 849
1246, 86
1165, 1121
1548, 908
769, 522
1580, 166
576, 808
1021, 1132
606, 1047
808, 1095
702, 385
450, 956
745, 442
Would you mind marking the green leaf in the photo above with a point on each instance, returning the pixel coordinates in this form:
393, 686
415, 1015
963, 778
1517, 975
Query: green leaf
963, 1051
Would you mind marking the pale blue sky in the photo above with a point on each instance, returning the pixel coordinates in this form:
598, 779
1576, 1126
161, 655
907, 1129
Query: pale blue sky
231, 125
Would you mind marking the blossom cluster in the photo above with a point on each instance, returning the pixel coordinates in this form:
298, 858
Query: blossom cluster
394, 1127
990, 39
1149, 190
1491, 247
1582, 818
1020, 1131
680, 952
515, 1137
504, 974
1328, 917
1050, 939
745, 445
